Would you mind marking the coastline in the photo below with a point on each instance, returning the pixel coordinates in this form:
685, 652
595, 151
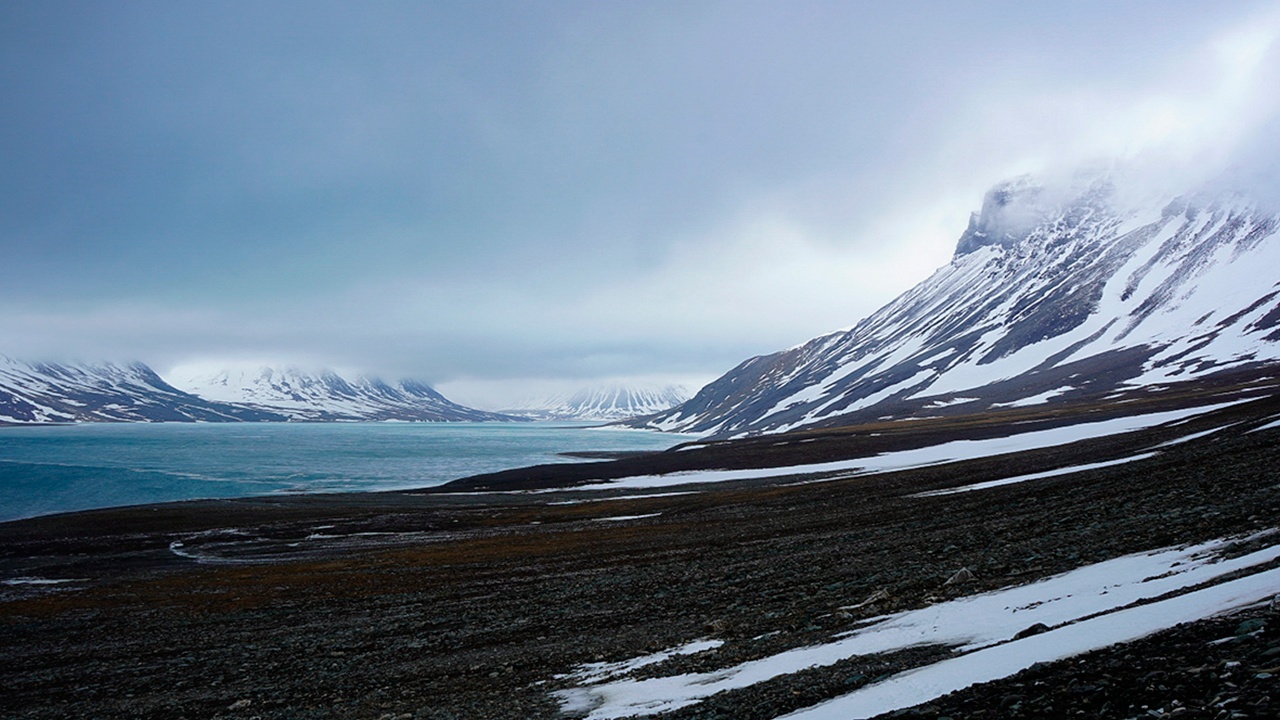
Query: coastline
452, 602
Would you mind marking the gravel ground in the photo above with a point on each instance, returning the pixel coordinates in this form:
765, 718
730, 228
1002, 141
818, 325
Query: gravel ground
427, 605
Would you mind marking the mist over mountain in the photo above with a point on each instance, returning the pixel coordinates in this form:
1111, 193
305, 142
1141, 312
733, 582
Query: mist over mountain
603, 402
326, 395
1052, 293
105, 392
43, 392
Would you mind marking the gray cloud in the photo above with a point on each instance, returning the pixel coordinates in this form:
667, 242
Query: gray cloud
563, 190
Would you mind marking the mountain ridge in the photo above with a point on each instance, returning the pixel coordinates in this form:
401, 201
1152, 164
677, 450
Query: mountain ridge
1043, 298
611, 402
326, 395
43, 392
74, 392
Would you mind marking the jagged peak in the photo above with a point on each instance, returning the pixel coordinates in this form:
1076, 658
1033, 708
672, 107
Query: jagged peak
1028, 206
1015, 209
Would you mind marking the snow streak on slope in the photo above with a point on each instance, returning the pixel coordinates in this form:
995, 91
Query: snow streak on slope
1042, 301
103, 392
605, 403
1087, 608
326, 395
947, 452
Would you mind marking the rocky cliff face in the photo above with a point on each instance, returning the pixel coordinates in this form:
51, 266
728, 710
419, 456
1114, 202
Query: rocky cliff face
1049, 295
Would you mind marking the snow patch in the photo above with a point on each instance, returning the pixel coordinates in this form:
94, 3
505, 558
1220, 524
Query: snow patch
1033, 476
601, 671
933, 681
621, 518
953, 451
39, 581
1086, 608
1040, 399
948, 403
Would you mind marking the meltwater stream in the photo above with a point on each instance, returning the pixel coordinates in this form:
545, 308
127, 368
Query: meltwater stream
79, 467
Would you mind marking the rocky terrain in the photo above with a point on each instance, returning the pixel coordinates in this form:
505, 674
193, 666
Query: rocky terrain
459, 604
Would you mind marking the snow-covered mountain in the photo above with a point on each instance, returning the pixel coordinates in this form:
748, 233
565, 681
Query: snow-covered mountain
326, 395
605, 403
1049, 295
104, 392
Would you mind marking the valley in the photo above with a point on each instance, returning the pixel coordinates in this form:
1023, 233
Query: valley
457, 603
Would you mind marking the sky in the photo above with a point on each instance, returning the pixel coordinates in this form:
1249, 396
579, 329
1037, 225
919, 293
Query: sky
500, 196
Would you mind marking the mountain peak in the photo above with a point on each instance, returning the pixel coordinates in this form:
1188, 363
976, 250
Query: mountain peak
1013, 211
47, 392
1054, 292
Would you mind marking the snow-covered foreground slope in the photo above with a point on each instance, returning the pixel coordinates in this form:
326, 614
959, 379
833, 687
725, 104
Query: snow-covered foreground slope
103, 392
605, 403
1088, 608
326, 395
1045, 299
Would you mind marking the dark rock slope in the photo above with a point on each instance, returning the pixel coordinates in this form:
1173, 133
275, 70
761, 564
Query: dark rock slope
1051, 294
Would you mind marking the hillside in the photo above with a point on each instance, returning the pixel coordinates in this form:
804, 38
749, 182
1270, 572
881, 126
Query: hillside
1051, 295
105, 392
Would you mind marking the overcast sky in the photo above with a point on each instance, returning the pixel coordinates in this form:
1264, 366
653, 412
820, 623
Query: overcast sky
492, 195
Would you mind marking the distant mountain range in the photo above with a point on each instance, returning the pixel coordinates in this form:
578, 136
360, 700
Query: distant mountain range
32, 393
1050, 295
105, 392
108, 392
325, 395
604, 403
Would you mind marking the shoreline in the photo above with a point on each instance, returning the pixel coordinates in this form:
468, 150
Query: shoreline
452, 602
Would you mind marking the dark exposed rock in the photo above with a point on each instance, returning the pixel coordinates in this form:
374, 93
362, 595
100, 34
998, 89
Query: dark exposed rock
1032, 630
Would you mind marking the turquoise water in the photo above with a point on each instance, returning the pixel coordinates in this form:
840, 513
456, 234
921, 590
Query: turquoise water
78, 467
